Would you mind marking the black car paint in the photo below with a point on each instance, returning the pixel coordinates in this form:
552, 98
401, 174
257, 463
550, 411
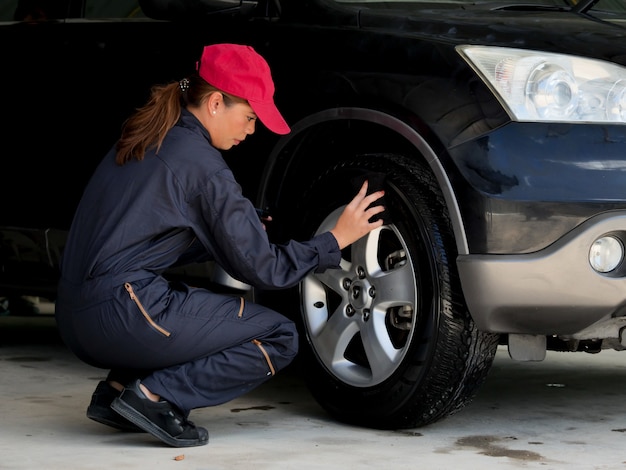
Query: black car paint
390, 72
72, 83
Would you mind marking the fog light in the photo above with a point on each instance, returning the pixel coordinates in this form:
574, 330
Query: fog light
606, 254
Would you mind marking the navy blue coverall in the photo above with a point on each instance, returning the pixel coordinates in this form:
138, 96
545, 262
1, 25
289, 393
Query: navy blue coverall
114, 308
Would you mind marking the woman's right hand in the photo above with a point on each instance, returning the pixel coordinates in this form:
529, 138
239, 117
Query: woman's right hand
354, 221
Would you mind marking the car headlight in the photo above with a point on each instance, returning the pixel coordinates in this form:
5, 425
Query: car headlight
542, 86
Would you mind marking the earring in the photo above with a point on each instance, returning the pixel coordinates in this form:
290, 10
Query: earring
214, 112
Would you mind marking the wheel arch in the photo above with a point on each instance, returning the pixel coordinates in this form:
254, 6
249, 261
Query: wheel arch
315, 142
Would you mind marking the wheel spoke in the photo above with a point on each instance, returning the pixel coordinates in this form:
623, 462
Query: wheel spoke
365, 252
334, 338
381, 354
332, 279
395, 287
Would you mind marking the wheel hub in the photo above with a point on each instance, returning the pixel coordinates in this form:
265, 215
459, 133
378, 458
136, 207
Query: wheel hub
359, 294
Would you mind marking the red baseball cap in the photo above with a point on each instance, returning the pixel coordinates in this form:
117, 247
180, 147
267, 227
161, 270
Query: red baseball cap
240, 71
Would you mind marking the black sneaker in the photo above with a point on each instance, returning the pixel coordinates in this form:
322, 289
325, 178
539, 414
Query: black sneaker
161, 419
100, 409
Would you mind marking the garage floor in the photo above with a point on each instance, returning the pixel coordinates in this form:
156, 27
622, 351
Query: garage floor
566, 412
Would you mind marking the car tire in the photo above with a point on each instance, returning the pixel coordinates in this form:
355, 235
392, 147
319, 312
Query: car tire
389, 342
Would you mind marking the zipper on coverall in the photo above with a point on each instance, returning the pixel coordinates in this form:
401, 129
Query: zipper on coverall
259, 345
143, 311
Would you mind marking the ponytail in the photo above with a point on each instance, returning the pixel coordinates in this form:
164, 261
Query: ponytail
147, 127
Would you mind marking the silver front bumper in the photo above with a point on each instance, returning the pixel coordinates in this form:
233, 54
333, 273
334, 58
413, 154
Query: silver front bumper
552, 291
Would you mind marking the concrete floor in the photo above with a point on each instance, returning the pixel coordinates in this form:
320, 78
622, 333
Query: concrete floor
565, 412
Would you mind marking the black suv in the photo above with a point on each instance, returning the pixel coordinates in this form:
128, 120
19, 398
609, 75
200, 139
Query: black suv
497, 128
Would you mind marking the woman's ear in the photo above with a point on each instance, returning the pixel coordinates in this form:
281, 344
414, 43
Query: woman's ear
215, 102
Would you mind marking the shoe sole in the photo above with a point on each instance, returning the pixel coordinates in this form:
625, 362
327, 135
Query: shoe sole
112, 422
144, 423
